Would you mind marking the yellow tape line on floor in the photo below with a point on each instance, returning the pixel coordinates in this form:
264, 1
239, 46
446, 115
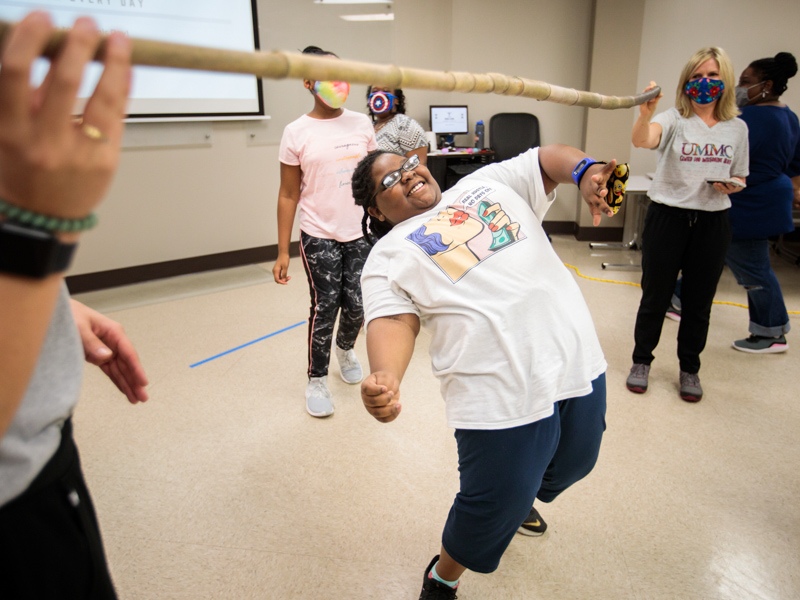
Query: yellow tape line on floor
791, 312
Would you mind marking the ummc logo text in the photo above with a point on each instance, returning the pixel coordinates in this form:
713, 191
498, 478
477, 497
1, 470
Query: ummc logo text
706, 153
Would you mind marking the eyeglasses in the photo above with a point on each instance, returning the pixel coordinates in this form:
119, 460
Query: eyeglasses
395, 176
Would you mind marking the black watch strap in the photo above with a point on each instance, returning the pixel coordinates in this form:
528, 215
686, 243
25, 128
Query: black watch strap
31, 252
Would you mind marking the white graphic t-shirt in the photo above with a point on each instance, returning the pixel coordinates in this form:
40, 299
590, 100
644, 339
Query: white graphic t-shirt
511, 333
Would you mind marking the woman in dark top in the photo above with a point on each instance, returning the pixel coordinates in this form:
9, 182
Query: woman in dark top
764, 208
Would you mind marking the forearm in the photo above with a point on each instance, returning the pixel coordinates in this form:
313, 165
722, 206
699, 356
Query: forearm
287, 207
390, 343
645, 134
557, 162
27, 306
796, 186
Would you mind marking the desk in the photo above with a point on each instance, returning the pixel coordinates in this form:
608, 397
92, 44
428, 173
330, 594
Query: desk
636, 209
438, 163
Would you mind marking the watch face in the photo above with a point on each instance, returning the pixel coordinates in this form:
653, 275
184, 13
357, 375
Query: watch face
32, 252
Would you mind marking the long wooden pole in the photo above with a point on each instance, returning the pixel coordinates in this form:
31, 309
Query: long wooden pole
290, 65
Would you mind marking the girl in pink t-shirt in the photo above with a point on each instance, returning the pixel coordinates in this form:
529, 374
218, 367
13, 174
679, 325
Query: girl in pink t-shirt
318, 154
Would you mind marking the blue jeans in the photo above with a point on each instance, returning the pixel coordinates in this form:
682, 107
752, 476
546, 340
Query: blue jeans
749, 262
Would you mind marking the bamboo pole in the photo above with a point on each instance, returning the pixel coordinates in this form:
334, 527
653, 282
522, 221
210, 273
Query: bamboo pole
290, 65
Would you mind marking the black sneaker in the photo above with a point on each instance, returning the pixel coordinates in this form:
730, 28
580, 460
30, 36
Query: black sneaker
534, 525
435, 590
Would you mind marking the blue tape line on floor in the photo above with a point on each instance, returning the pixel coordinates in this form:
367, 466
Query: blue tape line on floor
197, 364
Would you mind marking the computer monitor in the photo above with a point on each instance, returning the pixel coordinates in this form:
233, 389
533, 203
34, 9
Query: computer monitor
449, 120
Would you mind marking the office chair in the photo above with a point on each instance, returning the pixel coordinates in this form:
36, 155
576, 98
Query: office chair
510, 134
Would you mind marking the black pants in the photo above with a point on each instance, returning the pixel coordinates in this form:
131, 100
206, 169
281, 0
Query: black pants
675, 240
50, 544
334, 280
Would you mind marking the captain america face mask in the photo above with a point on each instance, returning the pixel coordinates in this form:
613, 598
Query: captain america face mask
705, 90
381, 102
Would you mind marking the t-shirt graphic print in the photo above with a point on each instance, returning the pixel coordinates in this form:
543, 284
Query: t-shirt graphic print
466, 233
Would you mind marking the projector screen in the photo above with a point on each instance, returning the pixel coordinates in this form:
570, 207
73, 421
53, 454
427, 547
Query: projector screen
159, 93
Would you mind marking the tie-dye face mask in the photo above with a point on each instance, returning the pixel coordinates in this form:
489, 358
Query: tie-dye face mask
332, 93
704, 91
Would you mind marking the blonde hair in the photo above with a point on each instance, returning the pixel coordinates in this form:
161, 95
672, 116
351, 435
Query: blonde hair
725, 108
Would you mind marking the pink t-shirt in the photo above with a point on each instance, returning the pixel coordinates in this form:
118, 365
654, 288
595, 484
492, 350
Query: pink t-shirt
327, 151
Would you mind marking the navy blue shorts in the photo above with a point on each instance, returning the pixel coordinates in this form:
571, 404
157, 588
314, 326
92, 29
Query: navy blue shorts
504, 470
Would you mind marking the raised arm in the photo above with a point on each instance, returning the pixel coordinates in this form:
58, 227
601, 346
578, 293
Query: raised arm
52, 166
646, 134
558, 162
288, 198
390, 345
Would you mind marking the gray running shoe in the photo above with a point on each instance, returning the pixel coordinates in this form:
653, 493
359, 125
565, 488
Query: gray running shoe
758, 344
674, 313
637, 380
349, 367
690, 387
318, 397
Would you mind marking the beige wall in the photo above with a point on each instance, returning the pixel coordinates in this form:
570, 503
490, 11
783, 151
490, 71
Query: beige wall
615, 64
176, 202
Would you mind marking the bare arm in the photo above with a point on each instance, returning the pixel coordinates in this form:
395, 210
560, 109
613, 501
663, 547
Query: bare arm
48, 165
390, 345
288, 198
796, 185
646, 134
557, 162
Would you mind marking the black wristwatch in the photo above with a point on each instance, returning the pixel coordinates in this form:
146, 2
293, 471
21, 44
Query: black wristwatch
31, 252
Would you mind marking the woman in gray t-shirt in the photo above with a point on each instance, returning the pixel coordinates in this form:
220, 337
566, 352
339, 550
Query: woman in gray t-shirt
702, 157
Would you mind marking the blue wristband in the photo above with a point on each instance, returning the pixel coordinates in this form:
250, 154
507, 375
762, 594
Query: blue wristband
580, 169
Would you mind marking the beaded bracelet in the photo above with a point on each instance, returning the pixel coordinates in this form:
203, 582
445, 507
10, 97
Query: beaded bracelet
39, 221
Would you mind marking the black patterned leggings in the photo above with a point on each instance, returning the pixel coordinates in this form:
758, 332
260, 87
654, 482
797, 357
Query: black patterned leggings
334, 280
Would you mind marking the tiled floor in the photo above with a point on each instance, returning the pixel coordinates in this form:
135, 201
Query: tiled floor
223, 487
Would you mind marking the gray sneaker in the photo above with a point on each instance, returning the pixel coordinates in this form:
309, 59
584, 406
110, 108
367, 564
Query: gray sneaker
318, 397
758, 344
349, 367
690, 387
637, 379
674, 313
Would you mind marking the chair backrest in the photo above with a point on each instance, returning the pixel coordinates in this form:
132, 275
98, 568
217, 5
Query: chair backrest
511, 134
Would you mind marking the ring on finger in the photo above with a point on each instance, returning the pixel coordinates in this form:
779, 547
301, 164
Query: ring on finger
92, 132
